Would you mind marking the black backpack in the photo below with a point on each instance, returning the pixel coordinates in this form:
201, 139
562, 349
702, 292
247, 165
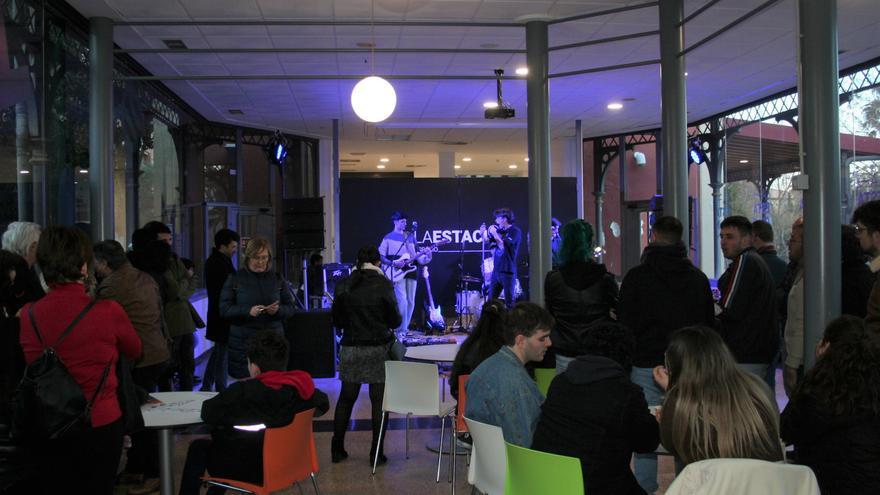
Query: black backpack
48, 403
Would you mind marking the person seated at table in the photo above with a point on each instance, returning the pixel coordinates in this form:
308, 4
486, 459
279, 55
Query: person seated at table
240, 414
484, 341
714, 409
833, 418
500, 391
595, 413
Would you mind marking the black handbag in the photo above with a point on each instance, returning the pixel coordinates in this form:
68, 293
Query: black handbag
131, 397
48, 403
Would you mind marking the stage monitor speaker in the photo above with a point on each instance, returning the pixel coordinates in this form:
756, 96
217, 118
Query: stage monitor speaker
312, 343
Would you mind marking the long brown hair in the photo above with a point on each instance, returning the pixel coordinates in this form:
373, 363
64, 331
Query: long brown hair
714, 409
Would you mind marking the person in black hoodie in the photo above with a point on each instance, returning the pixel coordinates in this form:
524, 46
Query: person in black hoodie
365, 308
595, 413
833, 418
577, 294
271, 398
662, 294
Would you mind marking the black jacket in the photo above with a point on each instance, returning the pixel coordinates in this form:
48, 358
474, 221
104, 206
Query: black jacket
218, 267
748, 309
577, 295
365, 309
856, 283
238, 454
662, 294
593, 412
843, 451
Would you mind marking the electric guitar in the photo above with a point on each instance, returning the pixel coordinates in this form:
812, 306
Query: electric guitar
435, 316
396, 274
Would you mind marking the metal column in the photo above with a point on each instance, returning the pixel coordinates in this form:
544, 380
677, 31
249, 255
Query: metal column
673, 106
537, 59
101, 127
579, 167
334, 186
820, 147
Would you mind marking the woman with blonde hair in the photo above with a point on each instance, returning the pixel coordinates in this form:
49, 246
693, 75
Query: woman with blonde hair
713, 409
254, 298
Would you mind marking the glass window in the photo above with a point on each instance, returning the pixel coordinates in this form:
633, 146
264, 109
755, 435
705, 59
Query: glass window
159, 187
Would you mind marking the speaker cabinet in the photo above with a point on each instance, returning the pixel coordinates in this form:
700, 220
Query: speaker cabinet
303, 223
312, 343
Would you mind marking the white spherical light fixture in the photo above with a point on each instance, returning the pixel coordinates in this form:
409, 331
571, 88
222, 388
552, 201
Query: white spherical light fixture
373, 99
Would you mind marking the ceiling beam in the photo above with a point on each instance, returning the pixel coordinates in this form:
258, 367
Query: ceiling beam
600, 13
748, 15
189, 51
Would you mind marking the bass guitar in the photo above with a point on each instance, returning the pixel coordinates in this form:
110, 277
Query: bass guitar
435, 316
396, 274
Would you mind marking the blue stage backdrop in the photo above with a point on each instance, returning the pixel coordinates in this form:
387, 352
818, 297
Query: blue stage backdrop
451, 209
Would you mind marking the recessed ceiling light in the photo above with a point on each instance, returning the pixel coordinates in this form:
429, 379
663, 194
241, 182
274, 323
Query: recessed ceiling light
526, 158
744, 161
512, 166
380, 166
235, 111
685, 74
83, 171
522, 71
384, 160
25, 172
490, 104
457, 166
466, 159
615, 106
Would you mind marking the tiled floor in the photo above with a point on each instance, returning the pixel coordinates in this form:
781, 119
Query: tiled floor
415, 475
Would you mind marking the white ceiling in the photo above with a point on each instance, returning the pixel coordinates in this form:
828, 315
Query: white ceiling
753, 60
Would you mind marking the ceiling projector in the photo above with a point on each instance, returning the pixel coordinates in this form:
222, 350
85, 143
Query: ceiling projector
501, 110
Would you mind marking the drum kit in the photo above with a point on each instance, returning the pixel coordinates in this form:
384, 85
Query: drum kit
473, 291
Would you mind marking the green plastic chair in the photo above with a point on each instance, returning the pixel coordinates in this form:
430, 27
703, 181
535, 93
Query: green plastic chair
543, 377
531, 472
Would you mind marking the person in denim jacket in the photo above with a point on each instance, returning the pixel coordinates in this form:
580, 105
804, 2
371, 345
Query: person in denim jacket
500, 391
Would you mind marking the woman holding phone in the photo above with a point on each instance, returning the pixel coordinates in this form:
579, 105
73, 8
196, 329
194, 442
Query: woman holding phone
254, 298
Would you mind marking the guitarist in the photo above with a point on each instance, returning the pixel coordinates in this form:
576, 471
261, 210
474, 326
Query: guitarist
398, 254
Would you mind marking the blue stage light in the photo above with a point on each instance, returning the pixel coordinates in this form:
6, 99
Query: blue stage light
695, 152
276, 149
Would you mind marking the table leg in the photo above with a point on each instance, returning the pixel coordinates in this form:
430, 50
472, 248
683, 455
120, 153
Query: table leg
166, 473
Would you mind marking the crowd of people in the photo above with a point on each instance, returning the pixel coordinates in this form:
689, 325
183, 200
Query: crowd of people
654, 363
660, 365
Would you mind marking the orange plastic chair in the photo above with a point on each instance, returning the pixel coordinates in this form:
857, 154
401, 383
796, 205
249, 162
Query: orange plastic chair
289, 456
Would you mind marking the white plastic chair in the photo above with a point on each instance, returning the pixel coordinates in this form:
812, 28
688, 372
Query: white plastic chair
488, 467
413, 389
744, 477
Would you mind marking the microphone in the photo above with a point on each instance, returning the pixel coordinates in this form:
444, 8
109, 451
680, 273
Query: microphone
415, 224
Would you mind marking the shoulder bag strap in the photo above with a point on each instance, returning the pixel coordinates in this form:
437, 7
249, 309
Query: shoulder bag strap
66, 330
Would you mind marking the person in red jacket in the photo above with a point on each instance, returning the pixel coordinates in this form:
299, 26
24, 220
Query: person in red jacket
87, 461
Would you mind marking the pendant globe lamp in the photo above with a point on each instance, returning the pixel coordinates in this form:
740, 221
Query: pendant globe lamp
373, 99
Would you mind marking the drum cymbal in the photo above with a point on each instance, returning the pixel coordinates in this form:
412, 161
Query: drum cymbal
471, 279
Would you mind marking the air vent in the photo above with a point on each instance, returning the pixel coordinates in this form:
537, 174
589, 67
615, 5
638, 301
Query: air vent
235, 111
175, 44
413, 165
454, 143
349, 160
393, 137
358, 153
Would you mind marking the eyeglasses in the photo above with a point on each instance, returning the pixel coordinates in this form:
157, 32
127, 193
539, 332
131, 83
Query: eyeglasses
261, 258
860, 229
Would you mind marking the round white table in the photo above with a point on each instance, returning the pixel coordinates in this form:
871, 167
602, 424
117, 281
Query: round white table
444, 353
175, 409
